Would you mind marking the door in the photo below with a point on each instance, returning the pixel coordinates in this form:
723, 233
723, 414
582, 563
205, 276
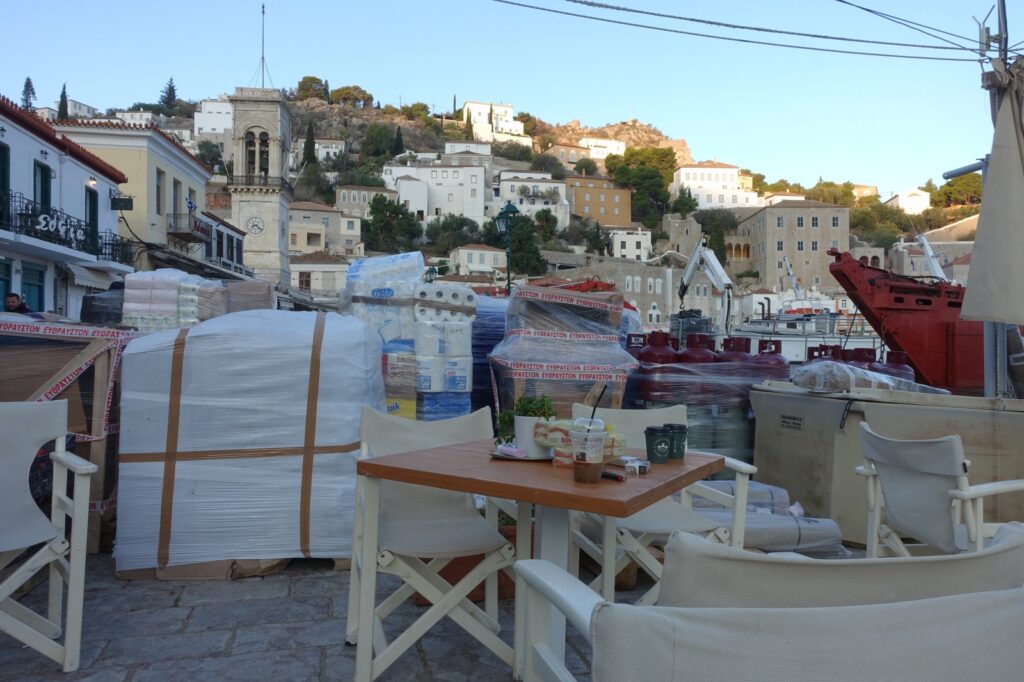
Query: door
33, 286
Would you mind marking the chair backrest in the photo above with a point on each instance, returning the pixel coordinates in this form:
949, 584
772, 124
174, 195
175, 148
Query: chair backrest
383, 434
26, 427
631, 423
916, 477
699, 573
959, 637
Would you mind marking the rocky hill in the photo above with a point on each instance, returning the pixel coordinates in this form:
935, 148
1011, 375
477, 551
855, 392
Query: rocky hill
632, 132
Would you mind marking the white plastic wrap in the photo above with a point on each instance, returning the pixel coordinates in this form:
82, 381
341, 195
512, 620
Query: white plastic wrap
380, 292
245, 379
837, 377
784, 532
171, 299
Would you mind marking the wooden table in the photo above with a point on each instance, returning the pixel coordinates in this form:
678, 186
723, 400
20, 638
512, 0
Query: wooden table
467, 467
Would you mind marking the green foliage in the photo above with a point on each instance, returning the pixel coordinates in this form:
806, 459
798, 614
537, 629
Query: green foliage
313, 185
575, 232
352, 96
442, 268
529, 122
783, 185
595, 238
879, 224
548, 164
398, 146
209, 153
758, 179
525, 254
62, 106
309, 86
451, 232
309, 146
28, 95
585, 166
715, 222
392, 228
752, 274
377, 140
960, 191
326, 95
361, 177
661, 158
416, 110
539, 407
545, 140
650, 195
929, 187
510, 149
168, 98
684, 203
547, 224
831, 193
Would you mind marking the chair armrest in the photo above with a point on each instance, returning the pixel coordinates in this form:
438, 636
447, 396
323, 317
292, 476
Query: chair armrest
73, 463
985, 489
739, 467
566, 593
864, 471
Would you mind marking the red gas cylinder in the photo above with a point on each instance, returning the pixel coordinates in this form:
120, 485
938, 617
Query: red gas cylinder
846, 355
655, 386
696, 350
734, 349
770, 358
863, 357
694, 381
895, 365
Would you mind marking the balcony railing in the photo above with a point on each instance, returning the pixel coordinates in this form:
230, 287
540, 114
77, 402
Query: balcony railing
260, 180
116, 248
32, 219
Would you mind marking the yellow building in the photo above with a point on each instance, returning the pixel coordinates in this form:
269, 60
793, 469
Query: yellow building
599, 199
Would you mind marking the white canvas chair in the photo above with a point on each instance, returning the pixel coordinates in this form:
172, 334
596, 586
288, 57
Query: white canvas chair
419, 521
26, 427
727, 614
919, 489
635, 535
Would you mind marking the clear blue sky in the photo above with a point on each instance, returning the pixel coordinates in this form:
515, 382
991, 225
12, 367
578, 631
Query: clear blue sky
786, 113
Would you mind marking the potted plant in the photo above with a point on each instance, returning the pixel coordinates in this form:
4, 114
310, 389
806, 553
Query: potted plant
516, 426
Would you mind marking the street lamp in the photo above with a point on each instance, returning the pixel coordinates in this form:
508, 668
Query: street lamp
504, 221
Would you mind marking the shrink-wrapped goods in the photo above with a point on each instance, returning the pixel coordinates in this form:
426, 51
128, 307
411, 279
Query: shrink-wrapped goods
239, 436
836, 377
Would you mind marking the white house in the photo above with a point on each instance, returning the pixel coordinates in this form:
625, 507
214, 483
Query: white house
530, 192
912, 201
474, 259
601, 147
494, 122
631, 244
451, 190
58, 225
469, 146
714, 185
213, 116
323, 147
78, 109
142, 118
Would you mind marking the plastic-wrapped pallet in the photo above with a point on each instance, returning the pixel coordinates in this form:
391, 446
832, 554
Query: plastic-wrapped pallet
443, 337
379, 291
249, 295
238, 438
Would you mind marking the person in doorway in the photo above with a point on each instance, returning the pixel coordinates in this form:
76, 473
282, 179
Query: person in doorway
14, 304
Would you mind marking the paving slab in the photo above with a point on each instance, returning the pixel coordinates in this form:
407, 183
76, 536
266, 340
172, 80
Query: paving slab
131, 650
291, 664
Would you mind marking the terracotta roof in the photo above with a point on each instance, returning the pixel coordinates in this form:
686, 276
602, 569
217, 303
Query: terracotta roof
709, 164
41, 128
312, 206
318, 258
804, 203
218, 219
479, 247
124, 125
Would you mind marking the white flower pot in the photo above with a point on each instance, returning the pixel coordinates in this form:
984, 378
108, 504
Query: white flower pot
524, 438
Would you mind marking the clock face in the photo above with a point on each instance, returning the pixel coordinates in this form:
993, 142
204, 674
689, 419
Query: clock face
255, 225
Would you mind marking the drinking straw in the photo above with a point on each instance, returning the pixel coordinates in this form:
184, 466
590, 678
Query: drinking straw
597, 402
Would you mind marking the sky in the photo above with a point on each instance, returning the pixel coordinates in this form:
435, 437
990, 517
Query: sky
794, 114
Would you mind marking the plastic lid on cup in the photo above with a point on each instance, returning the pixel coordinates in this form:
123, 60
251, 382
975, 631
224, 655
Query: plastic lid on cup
587, 424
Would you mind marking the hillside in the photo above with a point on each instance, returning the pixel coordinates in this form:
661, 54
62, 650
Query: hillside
633, 133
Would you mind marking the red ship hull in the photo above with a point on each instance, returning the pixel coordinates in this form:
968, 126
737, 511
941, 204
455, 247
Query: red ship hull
921, 318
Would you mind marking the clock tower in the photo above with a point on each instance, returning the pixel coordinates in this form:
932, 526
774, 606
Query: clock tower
260, 193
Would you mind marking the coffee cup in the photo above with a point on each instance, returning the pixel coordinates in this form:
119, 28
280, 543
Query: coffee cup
659, 444
678, 440
587, 436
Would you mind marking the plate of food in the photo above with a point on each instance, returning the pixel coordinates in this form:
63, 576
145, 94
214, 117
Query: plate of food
507, 451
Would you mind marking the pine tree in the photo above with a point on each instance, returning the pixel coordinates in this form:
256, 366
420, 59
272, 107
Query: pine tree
398, 146
28, 95
309, 147
455, 109
327, 92
62, 107
169, 98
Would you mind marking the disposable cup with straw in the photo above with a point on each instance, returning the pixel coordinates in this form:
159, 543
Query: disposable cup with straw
588, 436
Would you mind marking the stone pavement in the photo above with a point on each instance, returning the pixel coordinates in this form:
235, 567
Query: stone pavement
286, 626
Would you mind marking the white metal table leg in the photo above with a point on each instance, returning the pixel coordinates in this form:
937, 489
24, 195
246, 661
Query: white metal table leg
368, 578
553, 545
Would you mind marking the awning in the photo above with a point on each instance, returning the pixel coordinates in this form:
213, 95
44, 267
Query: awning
94, 279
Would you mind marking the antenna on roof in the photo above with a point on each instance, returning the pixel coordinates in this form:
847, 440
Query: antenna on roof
263, 37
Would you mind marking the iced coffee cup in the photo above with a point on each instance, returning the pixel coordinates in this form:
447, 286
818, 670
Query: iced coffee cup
587, 437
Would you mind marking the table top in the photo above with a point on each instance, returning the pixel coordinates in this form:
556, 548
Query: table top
468, 467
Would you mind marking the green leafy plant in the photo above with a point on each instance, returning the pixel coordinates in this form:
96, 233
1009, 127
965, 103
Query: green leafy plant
525, 407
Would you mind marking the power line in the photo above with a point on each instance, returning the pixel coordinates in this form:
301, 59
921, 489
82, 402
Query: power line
728, 39
722, 24
913, 25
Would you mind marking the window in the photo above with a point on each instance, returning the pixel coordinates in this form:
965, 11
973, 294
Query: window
721, 198
586, 209
364, 198
175, 196
734, 198
709, 198
295, 239
780, 221
312, 239
455, 174
348, 242
615, 211
650, 285
601, 197
469, 257
350, 224
629, 284
387, 171
835, 221
814, 221
586, 196
600, 210
799, 246
636, 283
817, 280
451, 197
622, 245
778, 265
494, 259
472, 193
307, 219
433, 173
638, 244
41, 190
779, 246
344, 197
814, 246
444, 174
159, 192
657, 286
304, 281
33, 284
325, 221
799, 221
5, 189
615, 198
835, 243
472, 179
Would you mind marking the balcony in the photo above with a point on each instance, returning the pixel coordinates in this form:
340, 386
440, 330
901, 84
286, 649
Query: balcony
26, 217
261, 181
117, 249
